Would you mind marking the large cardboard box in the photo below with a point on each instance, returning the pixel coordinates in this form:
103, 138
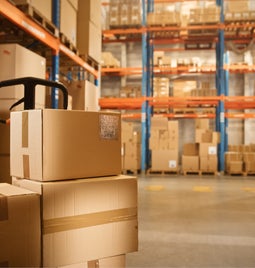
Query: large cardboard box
51, 144
19, 227
207, 149
4, 138
165, 160
44, 7
89, 41
209, 163
14, 64
190, 163
190, 149
68, 21
89, 10
86, 220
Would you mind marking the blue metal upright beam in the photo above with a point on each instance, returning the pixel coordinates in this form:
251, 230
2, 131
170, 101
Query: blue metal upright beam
144, 119
220, 84
55, 56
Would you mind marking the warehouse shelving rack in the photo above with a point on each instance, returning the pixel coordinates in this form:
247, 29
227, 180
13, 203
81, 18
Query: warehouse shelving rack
222, 102
36, 33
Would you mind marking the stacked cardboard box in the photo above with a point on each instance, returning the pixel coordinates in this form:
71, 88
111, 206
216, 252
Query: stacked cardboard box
161, 87
14, 64
164, 143
131, 147
164, 14
68, 20
125, 13
131, 91
74, 164
108, 60
201, 156
183, 88
240, 159
160, 59
89, 30
20, 227
200, 15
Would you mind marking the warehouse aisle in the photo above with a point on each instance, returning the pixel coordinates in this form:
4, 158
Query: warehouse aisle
195, 222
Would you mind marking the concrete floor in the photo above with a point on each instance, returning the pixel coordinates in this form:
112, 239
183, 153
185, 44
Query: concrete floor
195, 222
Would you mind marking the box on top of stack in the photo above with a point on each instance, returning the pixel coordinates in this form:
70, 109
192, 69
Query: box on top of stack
51, 145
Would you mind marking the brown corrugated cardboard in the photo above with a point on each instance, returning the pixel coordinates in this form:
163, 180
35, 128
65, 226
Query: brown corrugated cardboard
86, 219
159, 123
190, 149
88, 10
68, 144
206, 149
202, 123
190, 163
209, 163
68, 21
84, 95
14, 64
165, 160
5, 168
4, 138
89, 41
20, 227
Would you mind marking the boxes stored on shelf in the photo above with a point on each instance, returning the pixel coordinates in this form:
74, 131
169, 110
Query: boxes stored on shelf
209, 163
190, 163
68, 21
89, 41
86, 220
84, 95
183, 88
207, 149
206, 136
202, 123
238, 6
14, 64
89, 9
44, 7
164, 160
108, 60
68, 144
20, 227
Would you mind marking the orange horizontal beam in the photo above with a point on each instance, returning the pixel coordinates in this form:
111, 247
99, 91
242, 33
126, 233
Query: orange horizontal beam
239, 115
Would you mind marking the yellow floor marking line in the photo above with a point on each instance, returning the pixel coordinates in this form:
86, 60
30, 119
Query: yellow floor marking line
249, 189
202, 189
155, 188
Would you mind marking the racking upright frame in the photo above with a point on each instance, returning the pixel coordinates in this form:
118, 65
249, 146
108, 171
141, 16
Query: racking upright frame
220, 85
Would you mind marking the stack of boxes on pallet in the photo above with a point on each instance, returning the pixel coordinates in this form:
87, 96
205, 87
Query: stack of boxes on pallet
131, 147
240, 159
201, 156
164, 144
14, 64
161, 89
200, 15
239, 11
131, 91
109, 61
125, 13
72, 160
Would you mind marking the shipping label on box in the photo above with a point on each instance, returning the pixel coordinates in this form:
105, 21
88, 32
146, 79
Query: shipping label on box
68, 144
86, 219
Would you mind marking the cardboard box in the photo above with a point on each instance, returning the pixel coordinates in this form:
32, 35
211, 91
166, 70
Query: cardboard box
190, 149
131, 162
159, 123
165, 160
5, 169
209, 163
235, 167
68, 21
206, 149
4, 138
84, 95
190, 163
14, 64
89, 10
20, 227
202, 123
111, 262
89, 41
44, 7
86, 219
68, 144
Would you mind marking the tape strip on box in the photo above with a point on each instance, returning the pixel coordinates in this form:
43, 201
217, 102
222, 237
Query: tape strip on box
87, 220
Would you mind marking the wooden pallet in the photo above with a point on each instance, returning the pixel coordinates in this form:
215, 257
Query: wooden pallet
90, 61
162, 172
191, 172
66, 41
202, 172
37, 16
